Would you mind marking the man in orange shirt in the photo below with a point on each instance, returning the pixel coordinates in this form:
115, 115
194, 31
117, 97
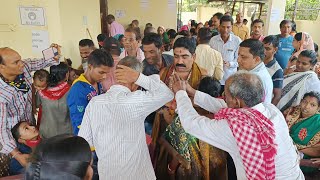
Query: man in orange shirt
239, 29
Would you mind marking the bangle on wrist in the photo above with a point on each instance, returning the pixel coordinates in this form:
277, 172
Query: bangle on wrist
15, 154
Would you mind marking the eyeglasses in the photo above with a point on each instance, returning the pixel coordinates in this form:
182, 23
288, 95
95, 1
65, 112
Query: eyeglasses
128, 39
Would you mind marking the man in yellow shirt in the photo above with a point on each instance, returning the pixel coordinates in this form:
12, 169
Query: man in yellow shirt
239, 29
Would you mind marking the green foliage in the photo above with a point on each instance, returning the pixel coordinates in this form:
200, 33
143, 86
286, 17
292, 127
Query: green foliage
191, 5
307, 9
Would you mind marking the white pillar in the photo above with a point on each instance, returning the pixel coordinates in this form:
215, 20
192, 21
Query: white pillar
275, 14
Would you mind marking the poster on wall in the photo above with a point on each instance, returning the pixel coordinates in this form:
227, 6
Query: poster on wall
32, 16
120, 13
275, 15
144, 4
40, 40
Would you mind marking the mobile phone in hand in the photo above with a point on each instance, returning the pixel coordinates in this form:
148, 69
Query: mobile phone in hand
50, 53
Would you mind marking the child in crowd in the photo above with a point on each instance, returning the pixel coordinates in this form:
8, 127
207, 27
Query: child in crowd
40, 82
211, 86
27, 138
73, 73
40, 79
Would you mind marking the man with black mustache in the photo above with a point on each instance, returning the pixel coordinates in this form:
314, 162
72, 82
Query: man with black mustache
168, 136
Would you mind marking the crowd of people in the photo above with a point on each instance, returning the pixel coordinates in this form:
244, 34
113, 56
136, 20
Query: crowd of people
215, 100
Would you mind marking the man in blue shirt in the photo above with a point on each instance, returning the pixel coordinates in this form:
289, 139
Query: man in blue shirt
285, 48
88, 85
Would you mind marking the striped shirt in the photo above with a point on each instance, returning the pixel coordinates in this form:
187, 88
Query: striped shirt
229, 52
276, 73
16, 106
114, 124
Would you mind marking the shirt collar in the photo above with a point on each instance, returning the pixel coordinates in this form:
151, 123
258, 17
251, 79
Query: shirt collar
3, 84
261, 37
230, 38
259, 107
118, 88
258, 67
81, 78
271, 63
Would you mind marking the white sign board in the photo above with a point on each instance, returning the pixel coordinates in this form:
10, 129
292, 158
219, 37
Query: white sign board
32, 16
40, 40
275, 15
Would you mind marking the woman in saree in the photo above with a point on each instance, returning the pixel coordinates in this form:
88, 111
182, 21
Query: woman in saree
304, 127
301, 41
302, 80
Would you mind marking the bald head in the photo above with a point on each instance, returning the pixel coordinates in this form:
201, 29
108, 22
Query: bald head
7, 54
246, 87
239, 17
11, 64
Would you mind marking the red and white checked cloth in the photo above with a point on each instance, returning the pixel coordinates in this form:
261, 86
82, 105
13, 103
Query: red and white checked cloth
255, 137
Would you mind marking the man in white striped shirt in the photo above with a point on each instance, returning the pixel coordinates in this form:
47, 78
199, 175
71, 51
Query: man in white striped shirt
114, 122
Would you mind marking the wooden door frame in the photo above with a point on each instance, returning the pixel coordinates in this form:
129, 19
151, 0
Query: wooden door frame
103, 16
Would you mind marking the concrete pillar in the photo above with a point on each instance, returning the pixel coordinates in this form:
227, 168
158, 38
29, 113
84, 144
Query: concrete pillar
275, 14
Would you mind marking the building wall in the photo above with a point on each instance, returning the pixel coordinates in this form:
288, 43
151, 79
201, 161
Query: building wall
311, 27
157, 12
64, 23
74, 28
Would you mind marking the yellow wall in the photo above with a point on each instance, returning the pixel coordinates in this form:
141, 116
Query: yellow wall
311, 27
64, 22
72, 27
158, 13
205, 13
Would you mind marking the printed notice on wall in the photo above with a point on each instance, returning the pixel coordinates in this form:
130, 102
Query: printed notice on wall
172, 4
32, 16
275, 15
144, 4
40, 40
120, 13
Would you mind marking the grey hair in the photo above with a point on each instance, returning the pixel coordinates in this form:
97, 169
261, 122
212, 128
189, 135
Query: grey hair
131, 62
247, 86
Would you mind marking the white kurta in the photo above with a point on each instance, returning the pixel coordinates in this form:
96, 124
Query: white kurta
114, 124
219, 134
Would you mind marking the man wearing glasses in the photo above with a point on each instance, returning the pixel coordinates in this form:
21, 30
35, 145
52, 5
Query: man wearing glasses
132, 41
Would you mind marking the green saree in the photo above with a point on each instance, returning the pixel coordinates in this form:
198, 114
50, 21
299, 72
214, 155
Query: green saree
305, 132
